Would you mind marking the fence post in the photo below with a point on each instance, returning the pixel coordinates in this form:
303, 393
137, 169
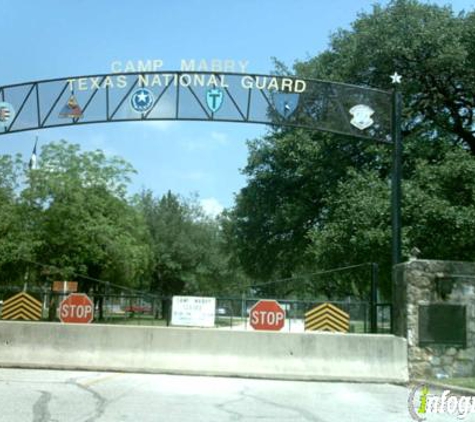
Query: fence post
374, 299
243, 308
168, 312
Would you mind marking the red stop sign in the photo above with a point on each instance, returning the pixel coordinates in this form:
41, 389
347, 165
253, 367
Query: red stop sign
267, 315
77, 308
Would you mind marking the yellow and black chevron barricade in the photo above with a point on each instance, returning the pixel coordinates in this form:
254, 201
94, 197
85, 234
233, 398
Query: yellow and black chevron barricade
327, 317
22, 306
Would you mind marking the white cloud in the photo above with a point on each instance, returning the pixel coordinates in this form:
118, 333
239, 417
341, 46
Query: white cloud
194, 176
102, 143
161, 125
194, 145
220, 137
208, 141
211, 206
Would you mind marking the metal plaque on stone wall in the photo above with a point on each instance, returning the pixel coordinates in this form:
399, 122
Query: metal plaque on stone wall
442, 324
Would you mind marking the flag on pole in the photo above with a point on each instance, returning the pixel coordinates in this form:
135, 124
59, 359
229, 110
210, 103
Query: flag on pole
33, 158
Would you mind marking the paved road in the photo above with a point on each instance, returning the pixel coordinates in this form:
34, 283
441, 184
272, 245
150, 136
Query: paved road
71, 396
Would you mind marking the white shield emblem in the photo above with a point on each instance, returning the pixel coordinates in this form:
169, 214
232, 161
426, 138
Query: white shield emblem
285, 103
361, 116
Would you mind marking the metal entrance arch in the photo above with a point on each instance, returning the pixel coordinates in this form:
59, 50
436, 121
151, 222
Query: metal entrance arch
338, 108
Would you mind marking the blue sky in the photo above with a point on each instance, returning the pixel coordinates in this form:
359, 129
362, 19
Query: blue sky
50, 38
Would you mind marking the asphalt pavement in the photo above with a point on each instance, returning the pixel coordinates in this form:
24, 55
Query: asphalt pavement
76, 396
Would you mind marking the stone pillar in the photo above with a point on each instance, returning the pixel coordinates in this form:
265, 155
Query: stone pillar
429, 282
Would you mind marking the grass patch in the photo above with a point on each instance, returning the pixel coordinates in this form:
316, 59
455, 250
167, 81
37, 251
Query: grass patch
229, 322
149, 320
136, 320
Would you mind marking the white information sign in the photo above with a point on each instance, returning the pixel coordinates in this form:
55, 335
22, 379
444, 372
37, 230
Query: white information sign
192, 311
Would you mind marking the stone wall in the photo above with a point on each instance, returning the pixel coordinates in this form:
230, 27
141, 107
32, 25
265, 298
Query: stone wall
427, 282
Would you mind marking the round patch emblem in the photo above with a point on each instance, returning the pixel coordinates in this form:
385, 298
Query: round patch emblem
142, 100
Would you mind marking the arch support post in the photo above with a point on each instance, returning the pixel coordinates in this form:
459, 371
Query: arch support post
396, 188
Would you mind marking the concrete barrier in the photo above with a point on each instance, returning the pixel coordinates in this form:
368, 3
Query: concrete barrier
299, 356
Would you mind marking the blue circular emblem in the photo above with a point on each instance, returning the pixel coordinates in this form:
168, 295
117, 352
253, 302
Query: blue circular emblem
7, 113
142, 100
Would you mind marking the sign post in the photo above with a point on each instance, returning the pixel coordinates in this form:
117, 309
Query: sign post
267, 315
76, 308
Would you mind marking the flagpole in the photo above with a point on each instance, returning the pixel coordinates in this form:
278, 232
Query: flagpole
396, 190
32, 165
34, 159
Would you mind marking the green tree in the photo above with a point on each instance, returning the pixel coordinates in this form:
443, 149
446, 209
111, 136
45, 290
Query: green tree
438, 210
16, 243
80, 218
296, 180
430, 46
289, 175
187, 247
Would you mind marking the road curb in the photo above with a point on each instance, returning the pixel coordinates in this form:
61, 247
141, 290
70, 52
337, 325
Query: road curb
442, 386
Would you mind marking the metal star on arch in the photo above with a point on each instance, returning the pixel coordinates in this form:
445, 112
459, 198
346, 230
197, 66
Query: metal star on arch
395, 78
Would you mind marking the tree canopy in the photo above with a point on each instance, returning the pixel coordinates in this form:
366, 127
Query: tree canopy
188, 254
312, 200
317, 201
74, 214
72, 218
430, 46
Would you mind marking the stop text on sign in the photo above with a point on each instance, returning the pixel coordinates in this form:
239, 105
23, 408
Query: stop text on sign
76, 311
76, 308
267, 315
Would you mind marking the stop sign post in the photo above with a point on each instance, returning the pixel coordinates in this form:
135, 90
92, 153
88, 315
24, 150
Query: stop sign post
76, 308
267, 315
